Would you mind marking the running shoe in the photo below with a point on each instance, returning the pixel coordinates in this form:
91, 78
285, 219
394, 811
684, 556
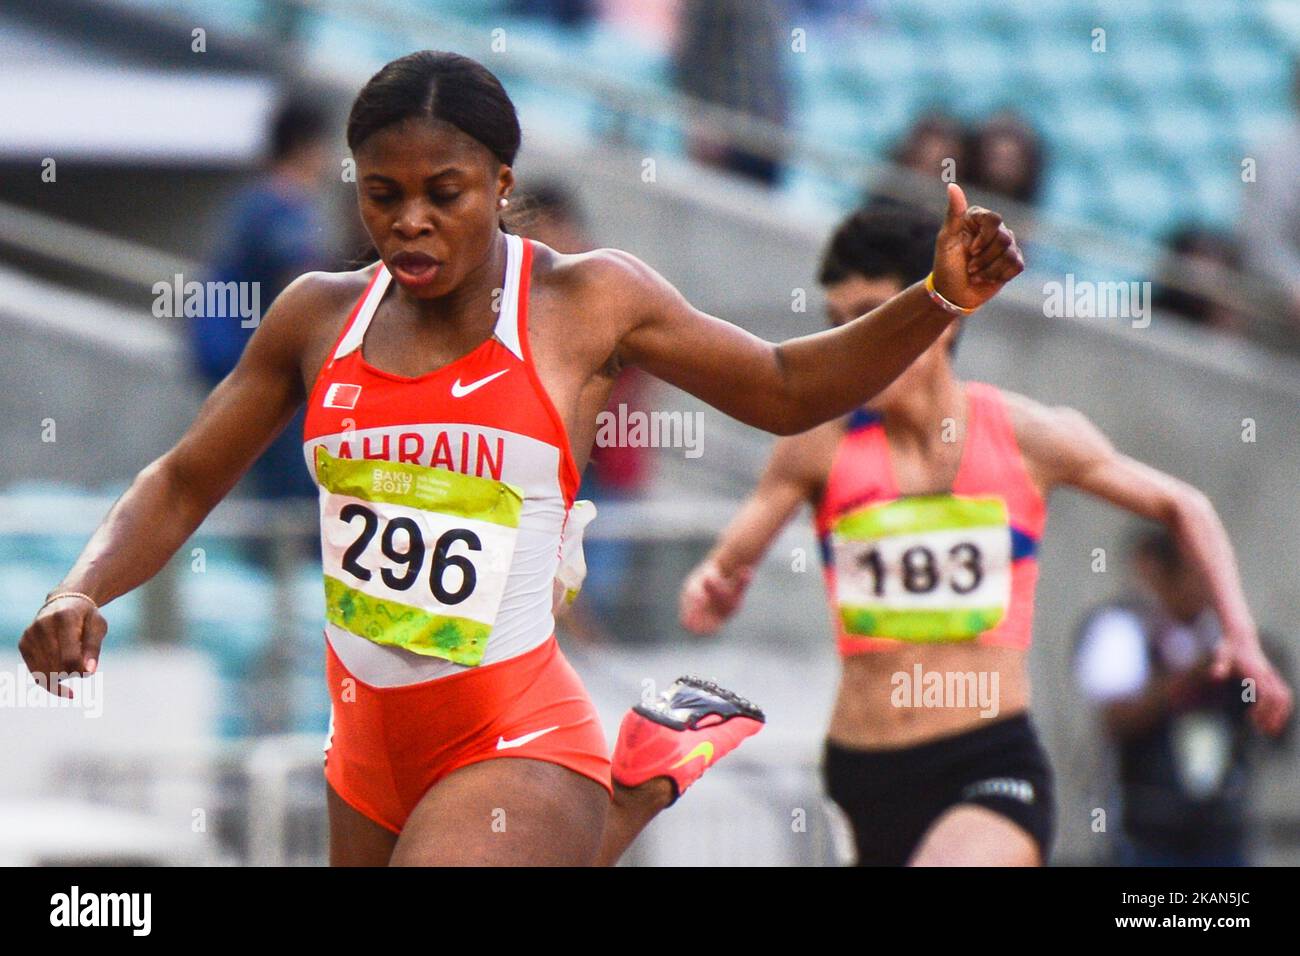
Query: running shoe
681, 733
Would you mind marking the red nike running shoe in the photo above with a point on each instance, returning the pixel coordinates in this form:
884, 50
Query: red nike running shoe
681, 733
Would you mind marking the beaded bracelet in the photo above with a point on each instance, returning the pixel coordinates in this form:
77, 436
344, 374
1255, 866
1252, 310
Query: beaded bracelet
62, 594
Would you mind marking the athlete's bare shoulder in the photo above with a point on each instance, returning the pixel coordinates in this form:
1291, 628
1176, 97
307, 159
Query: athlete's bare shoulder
610, 282
315, 299
596, 269
1055, 440
593, 300
1027, 414
318, 293
308, 316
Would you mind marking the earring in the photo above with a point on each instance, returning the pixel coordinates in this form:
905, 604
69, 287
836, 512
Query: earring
503, 202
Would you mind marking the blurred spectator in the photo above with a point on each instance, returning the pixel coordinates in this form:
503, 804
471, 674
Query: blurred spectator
1271, 211
653, 23
731, 53
935, 147
1181, 738
1205, 251
550, 214
616, 473
568, 13
275, 232
855, 12
1007, 159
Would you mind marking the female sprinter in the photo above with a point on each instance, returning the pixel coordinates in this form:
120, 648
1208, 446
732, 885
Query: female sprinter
930, 502
452, 392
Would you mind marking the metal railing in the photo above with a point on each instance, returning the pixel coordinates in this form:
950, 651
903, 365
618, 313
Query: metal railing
115, 257
264, 805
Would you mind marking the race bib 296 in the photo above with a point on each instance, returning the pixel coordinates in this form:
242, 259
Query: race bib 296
415, 557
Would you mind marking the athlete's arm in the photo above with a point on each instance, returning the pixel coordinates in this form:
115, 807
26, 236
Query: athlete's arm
714, 589
791, 387
171, 496
1064, 448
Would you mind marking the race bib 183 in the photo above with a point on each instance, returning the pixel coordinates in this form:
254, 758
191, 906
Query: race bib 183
932, 568
415, 557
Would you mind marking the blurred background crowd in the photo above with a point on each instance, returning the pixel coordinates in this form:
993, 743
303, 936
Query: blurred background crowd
1153, 142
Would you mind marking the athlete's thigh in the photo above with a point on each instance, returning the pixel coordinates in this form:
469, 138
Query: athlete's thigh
355, 839
509, 811
971, 835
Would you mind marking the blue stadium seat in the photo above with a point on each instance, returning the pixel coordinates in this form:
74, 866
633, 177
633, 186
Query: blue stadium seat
885, 57
341, 43
1037, 16
1254, 73
1071, 187
1183, 127
836, 119
975, 65
228, 612
1281, 18
625, 55
1061, 63
1148, 63
1217, 201
889, 116
1101, 126
1141, 200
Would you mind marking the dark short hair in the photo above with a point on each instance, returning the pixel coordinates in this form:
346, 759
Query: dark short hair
552, 199
1011, 126
889, 240
548, 201
300, 120
884, 240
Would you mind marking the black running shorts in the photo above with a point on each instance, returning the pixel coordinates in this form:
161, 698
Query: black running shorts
892, 797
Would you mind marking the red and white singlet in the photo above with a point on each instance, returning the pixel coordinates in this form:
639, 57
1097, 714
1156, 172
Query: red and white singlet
443, 498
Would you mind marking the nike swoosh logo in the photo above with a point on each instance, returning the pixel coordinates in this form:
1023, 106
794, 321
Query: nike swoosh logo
503, 744
704, 750
460, 391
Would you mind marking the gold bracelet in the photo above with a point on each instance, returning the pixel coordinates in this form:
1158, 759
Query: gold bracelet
62, 594
952, 308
